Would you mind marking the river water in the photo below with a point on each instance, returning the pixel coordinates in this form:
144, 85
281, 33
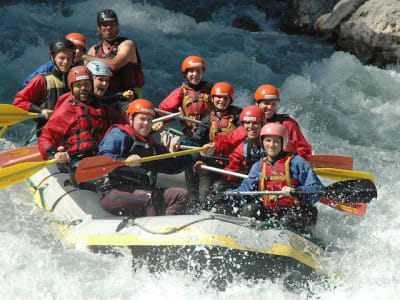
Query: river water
343, 107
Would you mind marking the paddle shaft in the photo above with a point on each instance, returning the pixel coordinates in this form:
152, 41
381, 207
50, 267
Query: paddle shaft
168, 117
184, 118
172, 154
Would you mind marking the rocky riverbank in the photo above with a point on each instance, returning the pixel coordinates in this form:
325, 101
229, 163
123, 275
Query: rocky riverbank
369, 29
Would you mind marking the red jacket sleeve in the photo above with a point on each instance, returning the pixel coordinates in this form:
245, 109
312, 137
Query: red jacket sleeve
57, 128
34, 94
298, 141
172, 102
237, 163
225, 145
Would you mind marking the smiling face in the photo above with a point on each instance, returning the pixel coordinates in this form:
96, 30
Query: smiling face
252, 129
101, 83
63, 60
221, 103
272, 145
108, 30
194, 76
269, 107
141, 123
82, 89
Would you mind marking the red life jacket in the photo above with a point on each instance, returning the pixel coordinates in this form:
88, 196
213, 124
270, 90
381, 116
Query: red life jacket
196, 104
273, 178
91, 125
221, 127
127, 77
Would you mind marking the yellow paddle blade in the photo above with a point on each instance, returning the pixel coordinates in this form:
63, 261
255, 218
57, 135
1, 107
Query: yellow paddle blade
340, 174
3, 130
10, 114
173, 154
21, 172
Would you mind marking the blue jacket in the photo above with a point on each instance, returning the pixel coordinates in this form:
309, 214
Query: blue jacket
117, 144
300, 170
45, 68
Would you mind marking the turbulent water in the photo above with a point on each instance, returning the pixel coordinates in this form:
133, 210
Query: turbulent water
343, 108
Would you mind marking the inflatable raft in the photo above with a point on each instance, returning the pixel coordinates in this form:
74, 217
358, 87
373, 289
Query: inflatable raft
258, 249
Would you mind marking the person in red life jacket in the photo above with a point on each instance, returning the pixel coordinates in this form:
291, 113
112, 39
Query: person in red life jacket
249, 151
267, 98
241, 159
192, 97
76, 128
224, 118
285, 172
119, 53
41, 93
80, 48
131, 190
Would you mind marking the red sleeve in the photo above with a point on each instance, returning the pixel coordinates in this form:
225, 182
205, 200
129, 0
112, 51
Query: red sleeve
225, 145
34, 93
237, 163
172, 102
57, 128
299, 142
62, 98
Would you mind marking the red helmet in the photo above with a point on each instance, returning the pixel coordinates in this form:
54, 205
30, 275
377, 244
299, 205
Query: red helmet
193, 62
78, 73
266, 92
77, 39
275, 129
223, 89
252, 114
142, 106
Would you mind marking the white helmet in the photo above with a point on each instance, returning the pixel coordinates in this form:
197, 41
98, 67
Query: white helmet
99, 68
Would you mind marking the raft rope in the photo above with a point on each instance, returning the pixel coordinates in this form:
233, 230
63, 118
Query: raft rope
247, 223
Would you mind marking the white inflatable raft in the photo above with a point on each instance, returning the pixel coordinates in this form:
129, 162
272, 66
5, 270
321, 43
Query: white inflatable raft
263, 248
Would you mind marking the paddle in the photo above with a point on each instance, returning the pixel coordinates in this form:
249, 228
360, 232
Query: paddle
97, 166
339, 174
331, 161
357, 209
350, 191
20, 155
3, 130
20, 172
10, 115
168, 117
184, 118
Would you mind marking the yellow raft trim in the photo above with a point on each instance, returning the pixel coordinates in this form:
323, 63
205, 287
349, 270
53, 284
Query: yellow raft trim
203, 240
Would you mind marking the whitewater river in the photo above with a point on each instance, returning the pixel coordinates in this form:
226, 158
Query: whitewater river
343, 107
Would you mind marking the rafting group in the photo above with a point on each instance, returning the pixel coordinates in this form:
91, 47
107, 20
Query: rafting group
93, 121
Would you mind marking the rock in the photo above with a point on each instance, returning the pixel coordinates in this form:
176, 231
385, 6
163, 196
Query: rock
246, 22
342, 10
301, 15
373, 32
320, 22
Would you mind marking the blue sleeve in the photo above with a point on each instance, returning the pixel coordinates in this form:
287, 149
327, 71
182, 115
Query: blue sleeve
45, 68
308, 180
173, 165
251, 183
114, 144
